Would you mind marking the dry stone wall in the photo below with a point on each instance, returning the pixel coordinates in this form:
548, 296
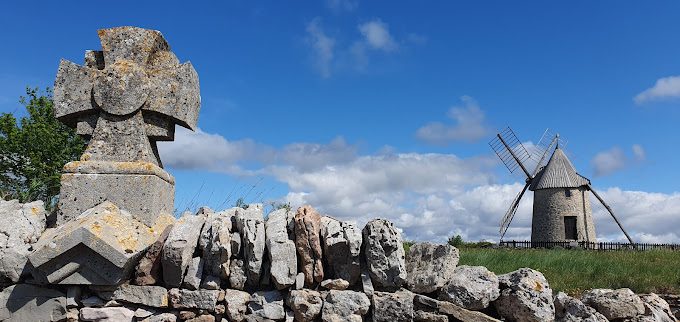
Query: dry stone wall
238, 265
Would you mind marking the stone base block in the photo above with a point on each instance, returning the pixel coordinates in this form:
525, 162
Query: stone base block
143, 189
100, 247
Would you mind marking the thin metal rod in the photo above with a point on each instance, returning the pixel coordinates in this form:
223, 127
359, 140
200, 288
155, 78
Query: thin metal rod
514, 156
544, 154
611, 212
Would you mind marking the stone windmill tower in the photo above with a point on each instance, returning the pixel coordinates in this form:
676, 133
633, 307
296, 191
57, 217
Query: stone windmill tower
561, 209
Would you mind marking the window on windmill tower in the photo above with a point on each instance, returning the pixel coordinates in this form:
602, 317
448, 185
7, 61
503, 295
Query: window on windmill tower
567, 193
570, 227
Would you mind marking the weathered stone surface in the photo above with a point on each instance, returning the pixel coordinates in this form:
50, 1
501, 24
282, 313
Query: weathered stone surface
424, 316
237, 304
429, 266
121, 314
267, 305
237, 274
179, 248
342, 246
335, 284
344, 306
187, 315
308, 243
569, 309
367, 284
280, 236
192, 279
384, 251
141, 313
211, 283
250, 224
22, 226
23, 302
154, 296
163, 317
306, 304
199, 299
525, 296
614, 304
235, 244
392, 307
471, 287
148, 269
657, 309
100, 248
202, 318
215, 242
462, 314
93, 301
73, 294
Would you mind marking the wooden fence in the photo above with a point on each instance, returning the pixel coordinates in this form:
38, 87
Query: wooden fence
603, 246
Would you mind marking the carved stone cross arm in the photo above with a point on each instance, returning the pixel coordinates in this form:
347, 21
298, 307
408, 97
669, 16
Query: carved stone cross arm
127, 96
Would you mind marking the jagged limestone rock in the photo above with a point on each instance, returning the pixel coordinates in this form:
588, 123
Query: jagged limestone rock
429, 266
471, 287
342, 246
280, 242
237, 304
22, 226
199, 299
393, 307
306, 304
569, 309
100, 247
384, 252
614, 304
148, 269
118, 314
149, 295
192, 279
24, 302
344, 306
525, 296
215, 242
267, 305
179, 248
250, 223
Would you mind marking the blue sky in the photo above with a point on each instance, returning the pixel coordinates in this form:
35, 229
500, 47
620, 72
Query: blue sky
366, 109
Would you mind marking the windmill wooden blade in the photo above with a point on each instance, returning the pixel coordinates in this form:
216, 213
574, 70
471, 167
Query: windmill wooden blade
610, 212
512, 210
544, 147
510, 150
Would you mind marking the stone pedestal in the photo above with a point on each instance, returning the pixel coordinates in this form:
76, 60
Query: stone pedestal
143, 189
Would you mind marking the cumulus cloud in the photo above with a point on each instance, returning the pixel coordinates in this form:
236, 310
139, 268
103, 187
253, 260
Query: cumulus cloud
429, 196
665, 88
614, 160
468, 125
376, 34
322, 47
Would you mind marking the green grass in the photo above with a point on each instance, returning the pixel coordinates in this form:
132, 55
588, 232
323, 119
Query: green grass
576, 271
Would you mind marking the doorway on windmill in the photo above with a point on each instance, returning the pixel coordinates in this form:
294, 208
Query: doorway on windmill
570, 227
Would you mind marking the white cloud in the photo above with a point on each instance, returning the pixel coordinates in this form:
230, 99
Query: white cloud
428, 196
377, 36
342, 5
322, 47
468, 125
665, 88
614, 160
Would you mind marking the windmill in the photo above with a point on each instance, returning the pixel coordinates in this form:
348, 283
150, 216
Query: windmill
561, 210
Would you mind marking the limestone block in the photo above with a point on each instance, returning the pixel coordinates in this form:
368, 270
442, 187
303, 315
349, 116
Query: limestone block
384, 251
163, 317
461, 314
143, 189
119, 314
306, 304
341, 245
657, 309
214, 242
148, 269
22, 226
153, 296
267, 305
335, 284
429, 266
237, 304
281, 247
471, 287
525, 296
211, 283
192, 279
614, 304
100, 247
237, 274
250, 224
199, 299
179, 248
344, 306
308, 243
424, 316
569, 309
392, 307
23, 302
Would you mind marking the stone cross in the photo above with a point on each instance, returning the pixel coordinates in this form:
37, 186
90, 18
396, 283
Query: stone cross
127, 96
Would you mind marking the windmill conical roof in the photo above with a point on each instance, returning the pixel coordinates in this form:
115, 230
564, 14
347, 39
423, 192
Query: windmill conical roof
558, 173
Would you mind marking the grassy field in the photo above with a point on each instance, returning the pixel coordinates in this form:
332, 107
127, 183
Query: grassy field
577, 271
